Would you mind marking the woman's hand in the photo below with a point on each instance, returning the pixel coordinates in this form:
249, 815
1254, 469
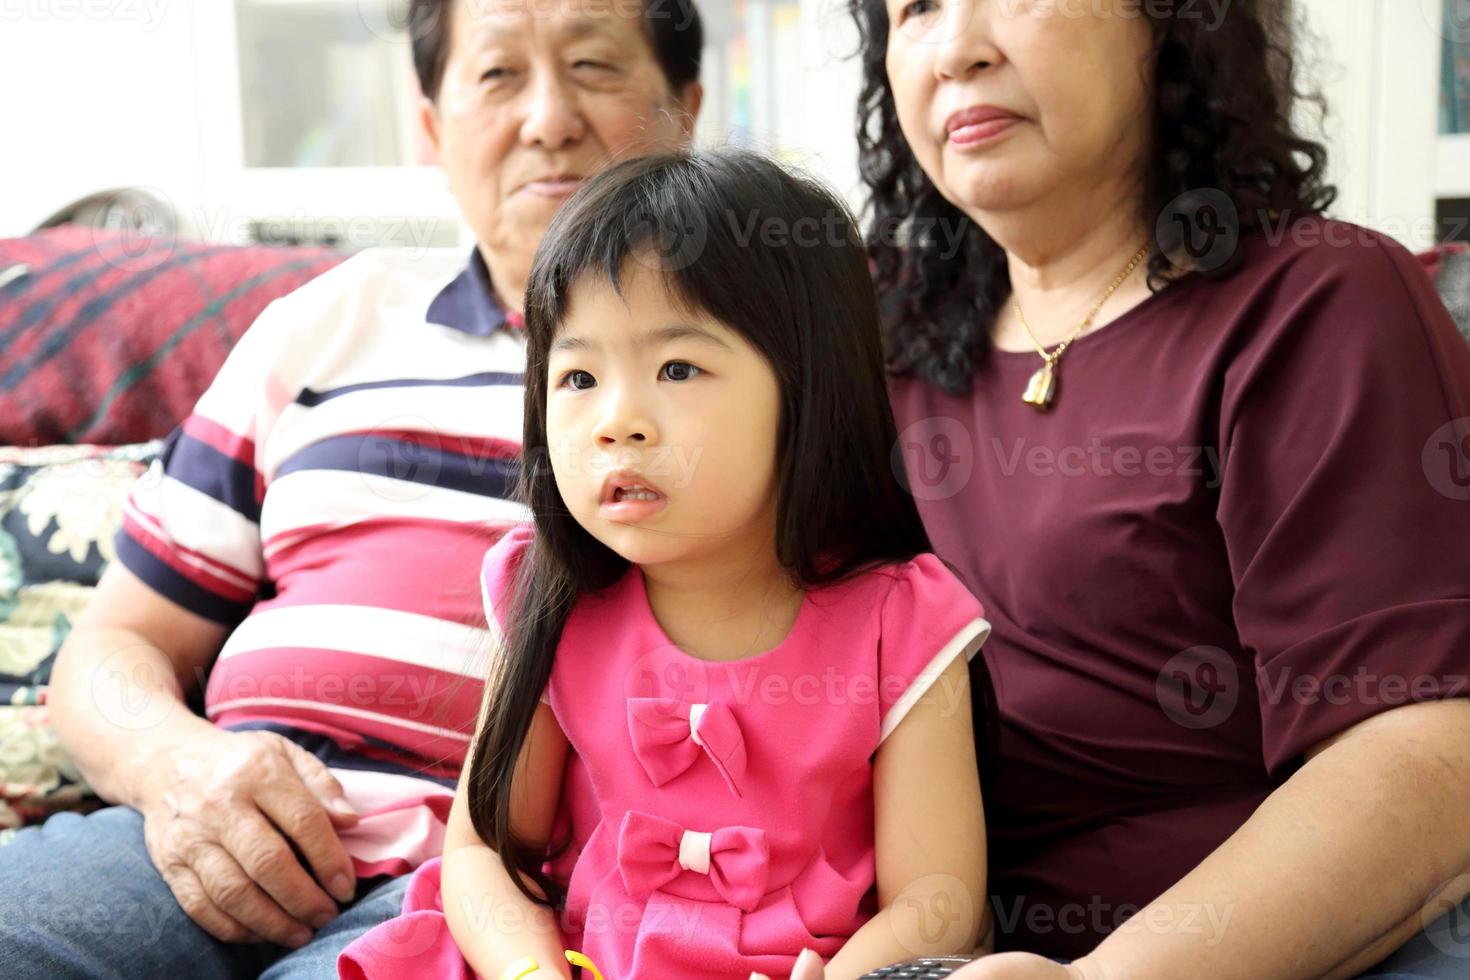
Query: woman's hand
1002, 966
212, 806
1019, 966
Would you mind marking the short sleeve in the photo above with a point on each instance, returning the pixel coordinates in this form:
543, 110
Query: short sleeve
191, 526
1343, 498
928, 619
497, 575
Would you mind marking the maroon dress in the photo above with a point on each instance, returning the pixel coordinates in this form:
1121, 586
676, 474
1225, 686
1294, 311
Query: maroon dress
1242, 528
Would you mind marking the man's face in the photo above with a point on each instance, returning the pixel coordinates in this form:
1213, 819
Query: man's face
538, 95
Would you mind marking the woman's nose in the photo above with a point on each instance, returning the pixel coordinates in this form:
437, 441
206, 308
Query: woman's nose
962, 41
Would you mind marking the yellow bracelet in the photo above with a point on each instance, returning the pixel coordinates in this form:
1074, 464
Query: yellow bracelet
526, 966
577, 959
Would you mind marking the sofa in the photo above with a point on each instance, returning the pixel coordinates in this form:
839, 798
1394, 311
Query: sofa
107, 338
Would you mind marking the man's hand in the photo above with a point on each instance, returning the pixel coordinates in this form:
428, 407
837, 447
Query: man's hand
221, 815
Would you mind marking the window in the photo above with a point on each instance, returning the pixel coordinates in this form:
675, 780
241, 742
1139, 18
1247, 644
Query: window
322, 85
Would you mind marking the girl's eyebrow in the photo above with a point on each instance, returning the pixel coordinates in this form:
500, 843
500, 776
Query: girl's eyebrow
648, 338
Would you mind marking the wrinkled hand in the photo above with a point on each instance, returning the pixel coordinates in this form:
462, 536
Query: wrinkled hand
220, 816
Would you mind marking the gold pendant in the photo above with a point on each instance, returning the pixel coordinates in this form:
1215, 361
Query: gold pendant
1041, 390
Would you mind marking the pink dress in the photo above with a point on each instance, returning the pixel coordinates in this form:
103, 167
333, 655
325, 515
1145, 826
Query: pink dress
721, 813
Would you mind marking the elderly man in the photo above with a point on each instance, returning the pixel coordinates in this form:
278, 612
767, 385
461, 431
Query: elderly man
313, 539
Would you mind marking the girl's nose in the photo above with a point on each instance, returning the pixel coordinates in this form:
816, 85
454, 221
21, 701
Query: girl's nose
624, 421
633, 437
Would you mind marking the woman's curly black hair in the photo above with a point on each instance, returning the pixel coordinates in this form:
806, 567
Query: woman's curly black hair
1224, 96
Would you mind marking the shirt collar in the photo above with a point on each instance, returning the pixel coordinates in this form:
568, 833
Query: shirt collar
468, 303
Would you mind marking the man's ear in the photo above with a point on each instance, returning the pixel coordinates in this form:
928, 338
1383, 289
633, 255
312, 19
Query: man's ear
691, 99
429, 123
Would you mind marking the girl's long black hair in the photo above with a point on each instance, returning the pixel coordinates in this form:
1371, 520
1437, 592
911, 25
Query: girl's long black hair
777, 257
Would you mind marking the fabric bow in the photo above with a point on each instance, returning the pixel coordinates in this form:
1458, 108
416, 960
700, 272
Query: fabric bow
653, 851
669, 735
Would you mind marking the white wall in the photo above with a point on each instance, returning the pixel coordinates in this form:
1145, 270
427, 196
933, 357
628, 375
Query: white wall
833, 78
95, 95
1378, 65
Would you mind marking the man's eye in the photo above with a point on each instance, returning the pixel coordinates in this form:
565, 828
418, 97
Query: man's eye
584, 63
680, 371
571, 379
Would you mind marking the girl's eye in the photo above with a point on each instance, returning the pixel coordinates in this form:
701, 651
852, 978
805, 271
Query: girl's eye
680, 370
569, 380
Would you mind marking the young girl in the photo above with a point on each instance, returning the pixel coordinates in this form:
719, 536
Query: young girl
729, 715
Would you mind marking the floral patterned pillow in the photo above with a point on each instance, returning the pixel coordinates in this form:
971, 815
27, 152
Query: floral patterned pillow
60, 507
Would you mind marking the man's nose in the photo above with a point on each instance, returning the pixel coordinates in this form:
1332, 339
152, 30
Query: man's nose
553, 118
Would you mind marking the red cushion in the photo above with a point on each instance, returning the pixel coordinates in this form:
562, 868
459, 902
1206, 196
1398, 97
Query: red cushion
109, 338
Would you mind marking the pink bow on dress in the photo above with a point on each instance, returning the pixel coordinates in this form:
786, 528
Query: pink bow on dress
653, 851
669, 735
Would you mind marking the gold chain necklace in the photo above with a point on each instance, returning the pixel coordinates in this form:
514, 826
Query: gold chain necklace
1041, 390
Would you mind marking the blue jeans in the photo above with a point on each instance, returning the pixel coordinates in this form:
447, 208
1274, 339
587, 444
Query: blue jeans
79, 897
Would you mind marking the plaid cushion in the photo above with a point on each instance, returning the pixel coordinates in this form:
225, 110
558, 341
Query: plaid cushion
59, 510
109, 338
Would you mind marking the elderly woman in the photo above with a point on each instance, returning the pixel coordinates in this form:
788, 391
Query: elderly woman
322, 516
1195, 447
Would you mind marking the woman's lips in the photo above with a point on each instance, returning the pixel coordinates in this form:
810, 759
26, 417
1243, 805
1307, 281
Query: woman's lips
980, 132
564, 187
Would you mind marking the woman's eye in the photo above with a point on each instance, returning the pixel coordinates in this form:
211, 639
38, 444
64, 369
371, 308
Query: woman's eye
494, 74
570, 379
680, 370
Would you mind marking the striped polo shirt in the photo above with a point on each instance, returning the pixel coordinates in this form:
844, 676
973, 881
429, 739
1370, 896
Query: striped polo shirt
331, 498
